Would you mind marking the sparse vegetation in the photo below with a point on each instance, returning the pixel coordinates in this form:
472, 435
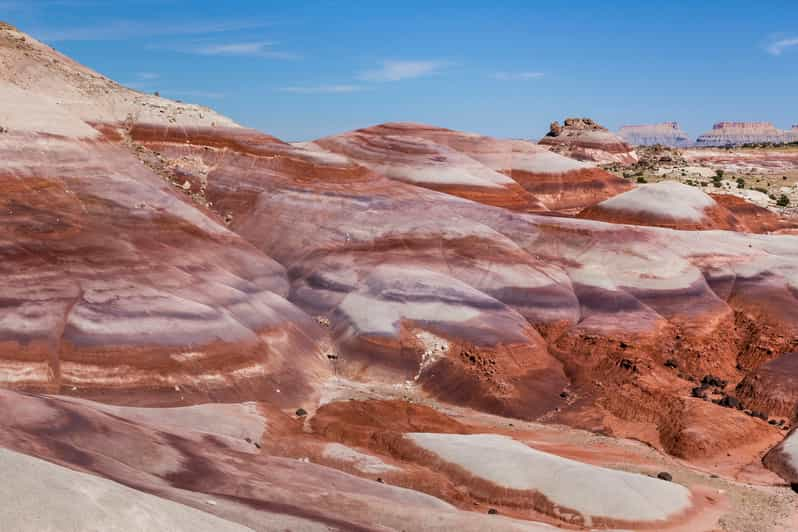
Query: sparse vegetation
762, 190
740, 182
783, 201
641, 179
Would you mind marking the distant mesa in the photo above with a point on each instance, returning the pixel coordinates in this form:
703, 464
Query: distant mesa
738, 133
585, 140
664, 133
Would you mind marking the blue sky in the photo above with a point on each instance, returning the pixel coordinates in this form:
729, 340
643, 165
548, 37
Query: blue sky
301, 70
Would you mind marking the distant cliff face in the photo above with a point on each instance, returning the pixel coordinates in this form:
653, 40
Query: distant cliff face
737, 133
665, 133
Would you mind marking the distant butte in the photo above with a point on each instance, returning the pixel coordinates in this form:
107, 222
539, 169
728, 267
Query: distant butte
585, 140
738, 133
665, 133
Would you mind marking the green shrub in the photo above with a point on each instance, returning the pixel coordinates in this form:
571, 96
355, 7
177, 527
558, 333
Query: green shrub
783, 201
642, 179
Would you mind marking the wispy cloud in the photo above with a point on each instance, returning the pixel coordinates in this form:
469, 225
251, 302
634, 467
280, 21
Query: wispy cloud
253, 48
120, 30
399, 70
777, 46
321, 89
517, 76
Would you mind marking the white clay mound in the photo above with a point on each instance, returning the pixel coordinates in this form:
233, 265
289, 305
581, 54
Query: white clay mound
590, 490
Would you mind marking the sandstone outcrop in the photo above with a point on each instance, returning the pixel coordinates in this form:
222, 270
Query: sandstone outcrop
585, 140
665, 134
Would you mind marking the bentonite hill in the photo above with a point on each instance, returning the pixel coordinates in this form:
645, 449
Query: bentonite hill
400, 327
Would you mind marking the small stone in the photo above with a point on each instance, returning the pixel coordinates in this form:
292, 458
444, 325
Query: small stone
493, 511
671, 363
664, 475
711, 380
380, 480
698, 392
730, 402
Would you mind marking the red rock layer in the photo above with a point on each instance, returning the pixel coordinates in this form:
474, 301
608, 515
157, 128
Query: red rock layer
551, 181
752, 217
772, 388
570, 191
404, 156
